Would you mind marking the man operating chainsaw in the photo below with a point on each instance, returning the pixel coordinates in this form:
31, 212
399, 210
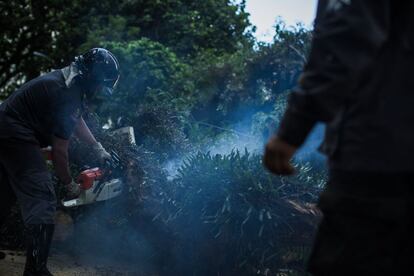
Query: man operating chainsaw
46, 111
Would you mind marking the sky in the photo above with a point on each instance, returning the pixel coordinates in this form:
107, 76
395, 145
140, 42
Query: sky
263, 14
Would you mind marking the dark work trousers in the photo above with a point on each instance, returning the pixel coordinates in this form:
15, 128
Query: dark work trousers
25, 177
367, 228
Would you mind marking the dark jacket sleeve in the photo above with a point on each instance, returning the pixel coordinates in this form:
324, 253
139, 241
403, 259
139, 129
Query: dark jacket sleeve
348, 36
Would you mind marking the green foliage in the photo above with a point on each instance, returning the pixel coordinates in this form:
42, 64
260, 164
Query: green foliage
279, 64
190, 27
112, 28
28, 32
264, 124
40, 35
50, 28
192, 57
230, 204
274, 68
152, 75
249, 79
219, 82
154, 94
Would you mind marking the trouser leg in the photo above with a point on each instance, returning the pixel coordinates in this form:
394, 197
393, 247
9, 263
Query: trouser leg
365, 226
33, 187
30, 180
7, 197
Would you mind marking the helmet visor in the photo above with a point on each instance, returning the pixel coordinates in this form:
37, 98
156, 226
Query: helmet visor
109, 85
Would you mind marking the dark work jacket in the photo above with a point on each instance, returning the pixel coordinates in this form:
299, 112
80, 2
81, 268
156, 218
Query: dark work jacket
42, 108
359, 81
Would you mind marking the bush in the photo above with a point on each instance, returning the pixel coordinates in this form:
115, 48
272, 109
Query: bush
232, 217
151, 75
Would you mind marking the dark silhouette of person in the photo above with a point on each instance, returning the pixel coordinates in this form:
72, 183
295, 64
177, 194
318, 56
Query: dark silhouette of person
358, 81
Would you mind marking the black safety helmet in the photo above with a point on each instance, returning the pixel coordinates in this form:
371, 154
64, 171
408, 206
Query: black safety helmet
99, 66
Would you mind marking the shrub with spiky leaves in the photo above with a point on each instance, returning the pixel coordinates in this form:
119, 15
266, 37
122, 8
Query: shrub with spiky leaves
234, 217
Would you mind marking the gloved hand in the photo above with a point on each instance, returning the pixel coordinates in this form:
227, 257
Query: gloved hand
103, 155
72, 190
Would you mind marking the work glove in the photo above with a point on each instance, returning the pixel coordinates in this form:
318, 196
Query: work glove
72, 190
103, 155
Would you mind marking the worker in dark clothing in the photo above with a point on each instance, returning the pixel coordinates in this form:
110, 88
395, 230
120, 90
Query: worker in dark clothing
45, 112
358, 81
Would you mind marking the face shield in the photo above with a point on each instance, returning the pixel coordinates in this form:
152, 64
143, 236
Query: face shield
101, 73
109, 85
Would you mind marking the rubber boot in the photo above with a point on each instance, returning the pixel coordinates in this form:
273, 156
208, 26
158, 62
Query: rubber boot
39, 238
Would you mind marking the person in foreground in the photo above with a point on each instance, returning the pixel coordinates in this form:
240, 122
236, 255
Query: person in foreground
45, 112
358, 81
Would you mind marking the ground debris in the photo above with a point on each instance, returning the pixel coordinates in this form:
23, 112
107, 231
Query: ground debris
61, 264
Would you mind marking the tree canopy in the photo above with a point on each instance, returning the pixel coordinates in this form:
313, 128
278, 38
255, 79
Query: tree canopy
197, 59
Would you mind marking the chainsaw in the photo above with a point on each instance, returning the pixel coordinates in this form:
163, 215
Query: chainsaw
99, 184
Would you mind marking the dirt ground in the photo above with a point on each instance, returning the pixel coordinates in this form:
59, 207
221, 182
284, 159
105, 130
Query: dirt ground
12, 264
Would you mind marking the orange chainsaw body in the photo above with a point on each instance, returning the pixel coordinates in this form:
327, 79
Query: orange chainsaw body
87, 177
